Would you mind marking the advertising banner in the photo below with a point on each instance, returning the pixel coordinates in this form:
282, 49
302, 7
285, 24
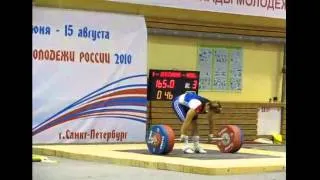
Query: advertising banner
89, 77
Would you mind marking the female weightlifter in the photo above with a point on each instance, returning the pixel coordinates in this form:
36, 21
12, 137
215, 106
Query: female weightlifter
187, 106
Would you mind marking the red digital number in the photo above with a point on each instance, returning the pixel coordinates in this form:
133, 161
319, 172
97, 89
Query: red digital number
195, 84
158, 84
172, 83
165, 84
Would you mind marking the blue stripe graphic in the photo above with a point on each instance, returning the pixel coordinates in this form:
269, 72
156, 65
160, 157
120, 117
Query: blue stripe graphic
118, 100
59, 120
111, 110
87, 96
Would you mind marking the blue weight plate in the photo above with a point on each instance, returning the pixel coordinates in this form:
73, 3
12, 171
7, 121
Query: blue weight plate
157, 140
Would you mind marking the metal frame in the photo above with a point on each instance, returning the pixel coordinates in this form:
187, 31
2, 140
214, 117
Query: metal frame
219, 36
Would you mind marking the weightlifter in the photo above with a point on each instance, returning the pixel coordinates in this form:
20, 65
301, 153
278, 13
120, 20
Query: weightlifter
187, 106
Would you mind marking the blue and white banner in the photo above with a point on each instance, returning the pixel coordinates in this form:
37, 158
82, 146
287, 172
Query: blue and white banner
89, 77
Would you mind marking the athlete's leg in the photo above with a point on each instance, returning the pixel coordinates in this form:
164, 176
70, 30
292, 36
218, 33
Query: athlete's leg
187, 122
179, 109
196, 138
194, 128
183, 114
211, 123
184, 131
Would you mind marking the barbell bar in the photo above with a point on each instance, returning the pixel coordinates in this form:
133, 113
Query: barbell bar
161, 139
190, 139
211, 139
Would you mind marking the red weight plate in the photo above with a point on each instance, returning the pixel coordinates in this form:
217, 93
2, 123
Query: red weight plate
233, 139
171, 137
241, 141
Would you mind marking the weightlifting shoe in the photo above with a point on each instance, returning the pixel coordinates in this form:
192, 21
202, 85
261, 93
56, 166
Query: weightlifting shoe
196, 145
187, 150
198, 149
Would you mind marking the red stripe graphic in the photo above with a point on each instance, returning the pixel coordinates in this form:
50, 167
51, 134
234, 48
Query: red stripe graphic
136, 91
127, 91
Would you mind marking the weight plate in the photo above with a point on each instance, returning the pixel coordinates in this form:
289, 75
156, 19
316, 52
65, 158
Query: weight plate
241, 141
160, 139
171, 137
232, 139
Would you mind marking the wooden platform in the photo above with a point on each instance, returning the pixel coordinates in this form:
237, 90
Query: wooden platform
269, 161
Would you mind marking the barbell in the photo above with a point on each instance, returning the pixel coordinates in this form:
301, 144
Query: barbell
161, 139
212, 139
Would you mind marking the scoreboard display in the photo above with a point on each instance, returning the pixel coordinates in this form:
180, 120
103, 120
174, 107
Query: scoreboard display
165, 85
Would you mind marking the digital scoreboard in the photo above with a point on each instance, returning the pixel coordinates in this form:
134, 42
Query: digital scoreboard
167, 84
